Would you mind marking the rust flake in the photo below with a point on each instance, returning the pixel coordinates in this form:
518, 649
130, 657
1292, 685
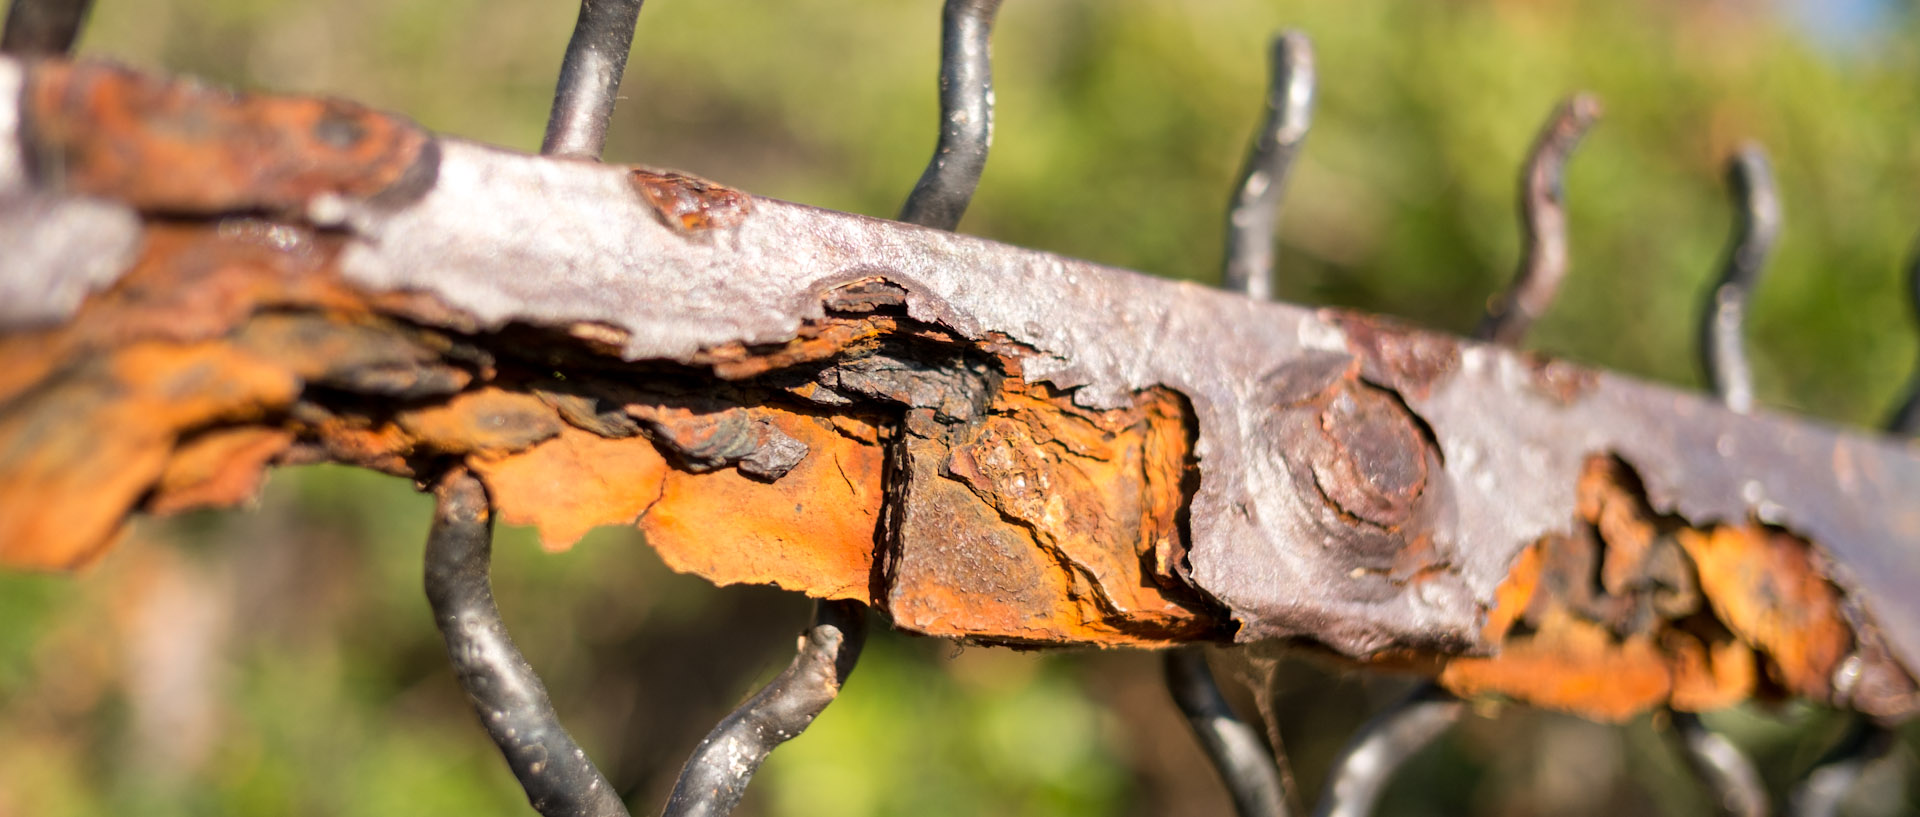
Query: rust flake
179, 147
689, 204
1396, 355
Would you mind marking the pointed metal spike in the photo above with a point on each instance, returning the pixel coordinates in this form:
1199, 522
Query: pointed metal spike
966, 116
1726, 771
1382, 746
1234, 747
43, 28
1756, 202
512, 703
590, 75
1543, 222
1256, 199
714, 779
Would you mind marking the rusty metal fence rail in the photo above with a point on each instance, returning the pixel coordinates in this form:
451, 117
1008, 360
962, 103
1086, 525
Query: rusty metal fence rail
977, 441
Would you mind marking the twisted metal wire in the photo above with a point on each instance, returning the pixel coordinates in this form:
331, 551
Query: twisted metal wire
1249, 772
1256, 198
716, 776
1543, 222
1722, 329
1382, 746
512, 703
941, 196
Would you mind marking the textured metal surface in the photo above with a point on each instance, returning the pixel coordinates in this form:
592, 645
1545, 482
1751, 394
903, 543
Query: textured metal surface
590, 76
1543, 224
1332, 477
1263, 179
940, 198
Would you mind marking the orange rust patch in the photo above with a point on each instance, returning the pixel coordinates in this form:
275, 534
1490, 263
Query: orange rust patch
216, 469
689, 203
1636, 611
179, 147
573, 483
811, 530
77, 453
1763, 584
489, 419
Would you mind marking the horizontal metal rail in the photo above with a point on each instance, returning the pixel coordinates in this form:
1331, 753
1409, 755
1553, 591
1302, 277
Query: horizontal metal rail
978, 440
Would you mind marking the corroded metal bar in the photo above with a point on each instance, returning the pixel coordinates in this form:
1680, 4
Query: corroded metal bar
1543, 224
1263, 179
1723, 350
1234, 747
590, 74
512, 703
717, 775
966, 116
1072, 455
43, 28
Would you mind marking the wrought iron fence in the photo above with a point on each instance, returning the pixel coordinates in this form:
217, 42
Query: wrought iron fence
1384, 431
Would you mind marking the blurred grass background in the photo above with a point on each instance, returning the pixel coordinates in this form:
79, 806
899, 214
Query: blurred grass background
280, 659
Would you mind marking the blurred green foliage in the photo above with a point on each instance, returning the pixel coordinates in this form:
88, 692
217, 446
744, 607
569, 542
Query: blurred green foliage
280, 660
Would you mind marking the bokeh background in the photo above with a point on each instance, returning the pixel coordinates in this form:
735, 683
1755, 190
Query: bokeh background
280, 659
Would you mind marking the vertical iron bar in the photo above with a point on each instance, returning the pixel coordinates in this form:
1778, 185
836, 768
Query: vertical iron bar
966, 116
1251, 216
714, 779
1382, 746
512, 703
43, 28
1726, 771
1756, 203
590, 78
1543, 223
1252, 779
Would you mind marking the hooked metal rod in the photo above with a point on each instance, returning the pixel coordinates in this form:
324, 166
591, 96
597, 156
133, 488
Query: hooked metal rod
1756, 202
589, 83
716, 776
941, 196
1382, 746
1726, 771
512, 703
1543, 224
1234, 747
1248, 266
43, 28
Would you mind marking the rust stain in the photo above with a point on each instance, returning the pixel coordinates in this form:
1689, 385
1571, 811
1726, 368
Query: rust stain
690, 204
1397, 355
489, 419
180, 147
1637, 610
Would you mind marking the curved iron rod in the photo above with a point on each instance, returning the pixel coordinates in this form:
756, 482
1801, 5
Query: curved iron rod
1726, 771
1543, 224
590, 78
717, 775
1382, 745
1756, 202
1248, 267
1906, 419
1249, 772
512, 703
43, 28
940, 198
1819, 793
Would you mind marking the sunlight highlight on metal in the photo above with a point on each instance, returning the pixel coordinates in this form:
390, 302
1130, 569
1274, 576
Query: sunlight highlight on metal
1256, 199
589, 84
1756, 202
1543, 223
966, 116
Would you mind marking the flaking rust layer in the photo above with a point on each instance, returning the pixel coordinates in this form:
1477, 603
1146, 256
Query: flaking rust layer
980, 441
